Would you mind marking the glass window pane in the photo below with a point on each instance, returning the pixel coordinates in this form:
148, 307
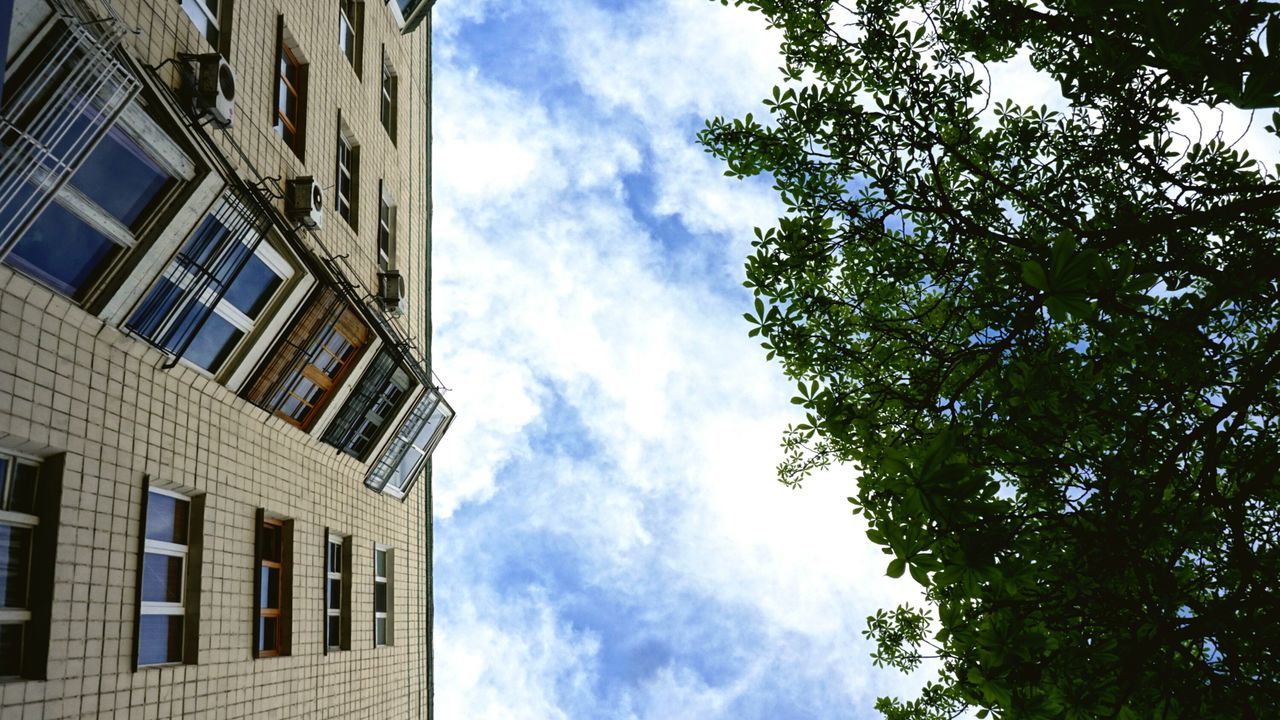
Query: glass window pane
269, 582
159, 639
268, 634
410, 463
120, 178
335, 557
333, 632
4, 479
215, 341
11, 649
253, 287
335, 594
15, 558
380, 563
272, 546
161, 578
61, 249
379, 631
167, 518
380, 597
23, 497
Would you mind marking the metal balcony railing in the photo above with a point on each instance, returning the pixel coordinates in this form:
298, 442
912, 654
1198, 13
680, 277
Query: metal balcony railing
72, 89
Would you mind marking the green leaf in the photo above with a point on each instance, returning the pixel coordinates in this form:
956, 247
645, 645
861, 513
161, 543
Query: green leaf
1033, 274
896, 567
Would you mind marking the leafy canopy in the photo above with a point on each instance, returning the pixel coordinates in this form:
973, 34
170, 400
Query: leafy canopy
1049, 340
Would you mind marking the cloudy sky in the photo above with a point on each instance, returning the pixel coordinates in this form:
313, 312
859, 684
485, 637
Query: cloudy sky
610, 538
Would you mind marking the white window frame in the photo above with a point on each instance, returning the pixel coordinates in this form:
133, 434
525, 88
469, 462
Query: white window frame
210, 15
386, 228
224, 309
387, 98
347, 147
333, 541
385, 580
16, 615
141, 130
160, 547
345, 27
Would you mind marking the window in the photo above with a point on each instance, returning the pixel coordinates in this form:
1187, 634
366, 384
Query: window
30, 498
18, 526
370, 408
404, 457
387, 105
167, 581
351, 31
301, 372
215, 291
204, 13
273, 587
337, 592
291, 92
386, 230
95, 215
381, 596
328, 361
347, 177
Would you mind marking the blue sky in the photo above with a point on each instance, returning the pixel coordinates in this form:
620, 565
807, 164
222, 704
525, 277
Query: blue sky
610, 538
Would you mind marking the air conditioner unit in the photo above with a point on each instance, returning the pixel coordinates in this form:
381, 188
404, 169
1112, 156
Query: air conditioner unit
215, 88
304, 201
391, 293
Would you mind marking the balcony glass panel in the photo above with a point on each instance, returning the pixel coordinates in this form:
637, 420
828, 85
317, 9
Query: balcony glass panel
61, 249
120, 178
211, 346
253, 287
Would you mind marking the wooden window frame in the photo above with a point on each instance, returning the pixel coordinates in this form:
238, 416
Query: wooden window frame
287, 52
283, 612
327, 382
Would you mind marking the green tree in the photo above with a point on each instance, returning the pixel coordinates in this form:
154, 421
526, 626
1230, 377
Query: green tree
1049, 341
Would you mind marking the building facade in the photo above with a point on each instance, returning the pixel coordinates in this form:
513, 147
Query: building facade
216, 403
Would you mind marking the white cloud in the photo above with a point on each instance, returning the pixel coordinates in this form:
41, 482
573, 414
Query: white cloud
609, 402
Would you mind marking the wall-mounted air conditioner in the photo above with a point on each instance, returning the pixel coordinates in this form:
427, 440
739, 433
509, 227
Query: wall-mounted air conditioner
215, 88
304, 201
391, 293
